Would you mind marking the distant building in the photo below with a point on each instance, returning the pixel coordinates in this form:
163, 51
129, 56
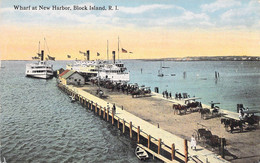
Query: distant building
68, 77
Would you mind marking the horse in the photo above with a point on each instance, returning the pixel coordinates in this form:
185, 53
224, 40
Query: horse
232, 124
204, 112
179, 108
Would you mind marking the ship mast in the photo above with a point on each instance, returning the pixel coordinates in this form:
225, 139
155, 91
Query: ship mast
118, 48
39, 46
107, 51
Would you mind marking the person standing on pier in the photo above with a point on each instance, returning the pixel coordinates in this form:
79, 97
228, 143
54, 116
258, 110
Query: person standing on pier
114, 109
108, 107
163, 93
193, 142
170, 95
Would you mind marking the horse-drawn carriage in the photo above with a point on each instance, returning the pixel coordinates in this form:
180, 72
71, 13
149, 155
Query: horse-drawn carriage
233, 123
135, 91
211, 112
203, 136
192, 105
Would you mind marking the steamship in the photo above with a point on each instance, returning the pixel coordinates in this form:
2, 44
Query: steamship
41, 69
115, 71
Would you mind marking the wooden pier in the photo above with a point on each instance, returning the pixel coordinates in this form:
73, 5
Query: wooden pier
170, 148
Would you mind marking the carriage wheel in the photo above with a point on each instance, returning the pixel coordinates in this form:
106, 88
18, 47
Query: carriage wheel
226, 128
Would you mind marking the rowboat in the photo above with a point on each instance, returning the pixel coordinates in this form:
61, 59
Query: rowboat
141, 154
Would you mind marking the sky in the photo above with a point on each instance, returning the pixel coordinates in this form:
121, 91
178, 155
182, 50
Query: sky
147, 28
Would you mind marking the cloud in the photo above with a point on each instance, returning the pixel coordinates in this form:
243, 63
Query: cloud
219, 4
145, 8
247, 16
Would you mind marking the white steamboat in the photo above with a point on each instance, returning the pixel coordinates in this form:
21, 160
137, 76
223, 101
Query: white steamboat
41, 69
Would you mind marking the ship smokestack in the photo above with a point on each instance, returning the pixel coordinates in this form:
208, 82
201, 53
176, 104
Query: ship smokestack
88, 55
114, 56
42, 55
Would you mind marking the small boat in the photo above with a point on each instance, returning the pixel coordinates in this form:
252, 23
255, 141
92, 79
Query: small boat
72, 98
141, 154
160, 73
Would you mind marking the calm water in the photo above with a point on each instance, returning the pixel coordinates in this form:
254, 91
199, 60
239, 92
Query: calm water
39, 124
239, 82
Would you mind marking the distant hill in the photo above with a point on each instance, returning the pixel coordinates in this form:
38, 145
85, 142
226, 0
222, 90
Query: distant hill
214, 58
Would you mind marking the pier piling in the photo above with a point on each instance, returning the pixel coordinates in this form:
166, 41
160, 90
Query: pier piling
186, 150
104, 113
123, 126
130, 130
148, 141
159, 145
99, 111
107, 114
173, 151
118, 123
138, 134
222, 144
112, 118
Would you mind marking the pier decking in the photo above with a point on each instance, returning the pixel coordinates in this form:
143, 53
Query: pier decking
176, 146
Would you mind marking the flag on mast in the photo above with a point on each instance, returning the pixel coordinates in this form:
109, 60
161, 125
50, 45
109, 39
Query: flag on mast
51, 58
124, 51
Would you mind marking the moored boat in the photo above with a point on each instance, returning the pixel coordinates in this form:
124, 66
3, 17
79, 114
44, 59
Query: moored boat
40, 69
141, 154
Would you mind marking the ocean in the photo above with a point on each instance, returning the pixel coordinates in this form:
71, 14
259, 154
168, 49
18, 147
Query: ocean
39, 124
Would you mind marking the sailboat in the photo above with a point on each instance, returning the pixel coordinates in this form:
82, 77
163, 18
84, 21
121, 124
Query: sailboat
160, 73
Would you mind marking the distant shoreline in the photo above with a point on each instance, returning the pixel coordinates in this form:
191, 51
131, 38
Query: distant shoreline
187, 59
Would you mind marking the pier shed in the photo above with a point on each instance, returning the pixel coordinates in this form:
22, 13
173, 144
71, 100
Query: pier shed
71, 77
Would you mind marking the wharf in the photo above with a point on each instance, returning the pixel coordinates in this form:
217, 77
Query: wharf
177, 147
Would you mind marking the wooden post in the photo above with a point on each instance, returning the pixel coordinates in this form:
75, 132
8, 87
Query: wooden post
186, 150
100, 108
123, 126
104, 113
96, 108
91, 105
173, 151
138, 134
88, 104
112, 119
130, 130
159, 145
222, 143
148, 139
107, 114
118, 123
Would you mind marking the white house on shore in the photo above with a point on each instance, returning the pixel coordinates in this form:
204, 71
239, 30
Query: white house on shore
68, 77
